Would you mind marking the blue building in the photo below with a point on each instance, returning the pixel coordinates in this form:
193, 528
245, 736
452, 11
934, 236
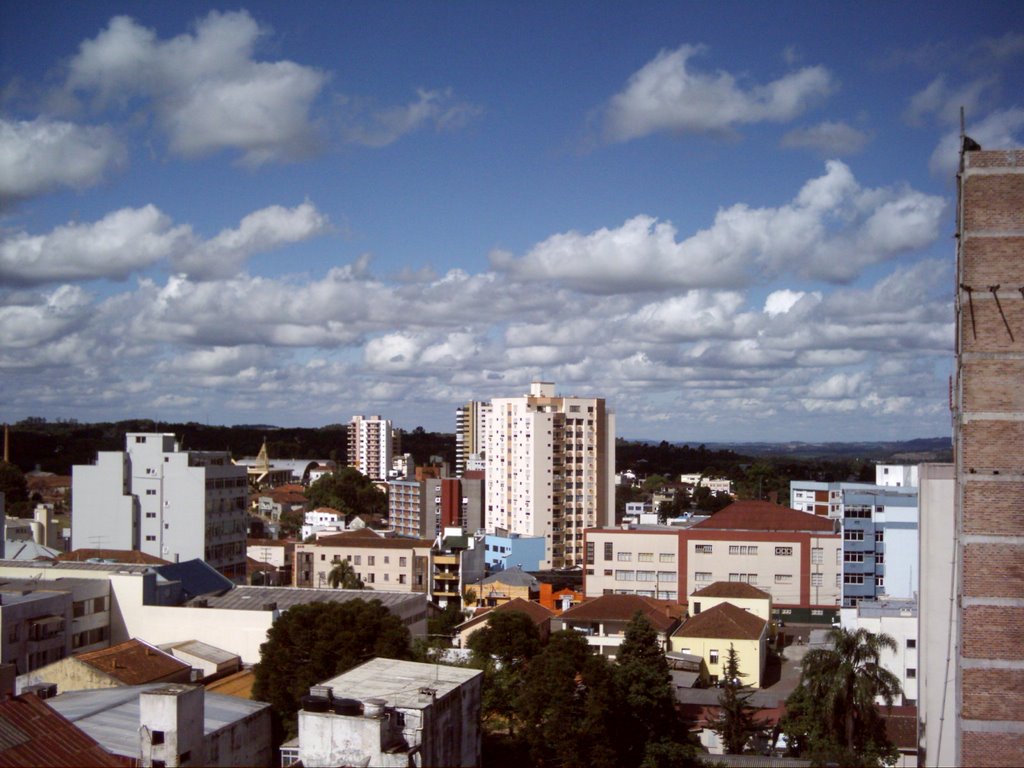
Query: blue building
501, 552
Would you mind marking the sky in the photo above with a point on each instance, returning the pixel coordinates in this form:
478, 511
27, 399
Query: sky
733, 221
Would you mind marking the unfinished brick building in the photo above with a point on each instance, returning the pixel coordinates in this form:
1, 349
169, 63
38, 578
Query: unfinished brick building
988, 415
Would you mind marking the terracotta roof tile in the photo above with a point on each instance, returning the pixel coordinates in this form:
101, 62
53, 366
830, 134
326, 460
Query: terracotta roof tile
33, 734
134, 662
238, 684
623, 608
726, 621
734, 589
538, 613
764, 516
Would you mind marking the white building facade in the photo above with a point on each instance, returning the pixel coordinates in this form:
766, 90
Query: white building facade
371, 446
550, 469
154, 497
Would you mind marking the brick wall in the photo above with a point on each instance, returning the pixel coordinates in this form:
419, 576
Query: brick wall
994, 508
993, 632
993, 750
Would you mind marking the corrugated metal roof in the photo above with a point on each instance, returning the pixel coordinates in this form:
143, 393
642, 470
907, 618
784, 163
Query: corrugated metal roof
111, 715
253, 598
205, 651
31, 733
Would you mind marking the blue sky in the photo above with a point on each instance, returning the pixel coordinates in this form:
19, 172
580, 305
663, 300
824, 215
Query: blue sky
731, 220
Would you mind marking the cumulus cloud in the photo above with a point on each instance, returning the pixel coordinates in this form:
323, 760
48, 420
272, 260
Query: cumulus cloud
39, 155
207, 90
261, 231
827, 138
667, 95
379, 128
114, 247
1002, 129
40, 319
942, 102
832, 230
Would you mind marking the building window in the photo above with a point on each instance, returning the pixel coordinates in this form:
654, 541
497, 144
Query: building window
646, 576
667, 576
911, 673
359, 559
645, 557
702, 576
879, 558
737, 549
853, 557
151, 538
590, 553
784, 551
839, 579
625, 576
746, 578
608, 550
880, 535
853, 578
713, 656
703, 549
667, 557
816, 555
857, 535
911, 642
403, 562
151, 491
783, 578
816, 580
624, 557
879, 581
608, 572
150, 514
370, 560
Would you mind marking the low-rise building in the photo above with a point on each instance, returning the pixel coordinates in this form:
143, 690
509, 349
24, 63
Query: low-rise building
898, 619
172, 724
391, 563
392, 714
711, 633
457, 561
745, 596
504, 586
603, 620
537, 613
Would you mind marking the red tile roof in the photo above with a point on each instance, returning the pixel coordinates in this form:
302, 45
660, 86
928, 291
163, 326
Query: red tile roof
33, 734
364, 537
134, 662
538, 613
764, 516
131, 556
734, 589
724, 621
662, 614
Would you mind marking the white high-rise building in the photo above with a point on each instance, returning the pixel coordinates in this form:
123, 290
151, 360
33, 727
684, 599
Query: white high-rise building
550, 469
154, 497
469, 435
371, 446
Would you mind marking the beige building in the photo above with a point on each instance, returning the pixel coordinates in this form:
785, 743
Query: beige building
396, 564
550, 469
793, 556
712, 632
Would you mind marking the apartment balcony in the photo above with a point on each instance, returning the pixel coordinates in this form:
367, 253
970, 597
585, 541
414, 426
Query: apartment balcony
446, 559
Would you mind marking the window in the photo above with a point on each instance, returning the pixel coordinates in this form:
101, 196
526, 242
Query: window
151, 491
608, 572
879, 558
140, 439
702, 576
839, 579
646, 576
666, 557
713, 656
784, 551
403, 562
151, 514
879, 581
839, 556
853, 557
853, 535
816, 555
911, 642
401, 578
783, 578
645, 557
151, 538
370, 560
702, 549
608, 550
746, 578
737, 549
667, 576
624, 557
853, 578
625, 576
862, 513
359, 559
734, 549
590, 553
880, 535
387, 560
911, 673
816, 580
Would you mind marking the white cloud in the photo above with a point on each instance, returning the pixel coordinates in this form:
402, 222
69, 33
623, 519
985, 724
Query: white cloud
114, 247
828, 138
382, 127
832, 230
39, 155
938, 100
26, 324
260, 231
665, 95
1003, 129
208, 91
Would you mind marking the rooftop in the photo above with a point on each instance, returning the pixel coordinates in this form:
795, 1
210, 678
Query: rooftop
399, 682
660, 613
764, 516
133, 556
538, 613
512, 577
205, 651
733, 589
255, 598
134, 662
31, 733
726, 621
364, 537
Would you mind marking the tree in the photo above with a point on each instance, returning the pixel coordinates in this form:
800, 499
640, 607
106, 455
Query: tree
314, 642
344, 575
349, 491
503, 648
648, 717
840, 685
735, 724
12, 483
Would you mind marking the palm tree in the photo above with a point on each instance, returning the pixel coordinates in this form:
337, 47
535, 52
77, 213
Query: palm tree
344, 575
845, 681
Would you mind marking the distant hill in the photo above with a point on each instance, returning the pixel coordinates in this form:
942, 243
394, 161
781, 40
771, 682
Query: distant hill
922, 449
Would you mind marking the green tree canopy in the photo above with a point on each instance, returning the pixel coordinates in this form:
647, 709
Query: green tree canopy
833, 713
349, 491
312, 643
735, 724
12, 483
502, 649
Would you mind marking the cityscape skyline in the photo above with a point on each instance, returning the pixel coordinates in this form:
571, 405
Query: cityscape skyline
290, 215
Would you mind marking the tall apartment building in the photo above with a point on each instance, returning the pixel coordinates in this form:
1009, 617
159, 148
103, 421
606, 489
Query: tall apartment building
424, 508
550, 469
469, 435
988, 432
161, 500
371, 446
